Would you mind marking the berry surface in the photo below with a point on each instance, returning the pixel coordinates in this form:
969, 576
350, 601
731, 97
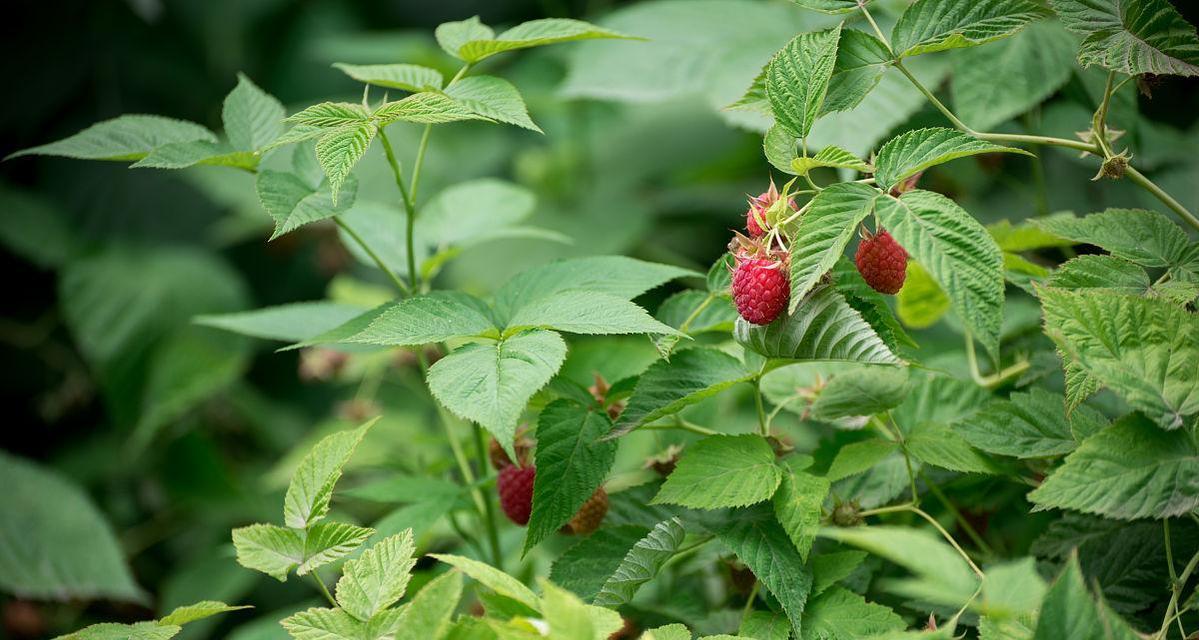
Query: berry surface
882, 263
515, 485
760, 289
590, 515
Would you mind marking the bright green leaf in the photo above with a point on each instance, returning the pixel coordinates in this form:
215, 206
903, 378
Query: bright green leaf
197, 611
269, 548
823, 233
493, 98
722, 471
128, 137
253, 118
292, 201
797, 505
910, 153
935, 25
325, 542
407, 77
311, 487
798, 78
428, 616
378, 578
823, 327
494, 579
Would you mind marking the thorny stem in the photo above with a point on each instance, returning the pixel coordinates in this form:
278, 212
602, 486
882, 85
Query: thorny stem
324, 590
371, 252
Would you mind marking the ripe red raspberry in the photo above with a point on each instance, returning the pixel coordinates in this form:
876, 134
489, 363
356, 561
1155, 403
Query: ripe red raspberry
882, 262
755, 216
515, 485
590, 515
760, 288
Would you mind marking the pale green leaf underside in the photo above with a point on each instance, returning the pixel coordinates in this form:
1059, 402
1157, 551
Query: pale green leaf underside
493, 98
494, 579
180, 155
198, 611
378, 578
292, 202
114, 631
1132, 36
311, 487
722, 471
831, 157
858, 457
642, 563
286, 322
910, 153
426, 107
921, 552
252, 117
429, 613
340, 149
823, 327
936, 25
407, 77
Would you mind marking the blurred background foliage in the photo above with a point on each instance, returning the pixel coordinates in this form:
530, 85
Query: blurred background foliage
177, 433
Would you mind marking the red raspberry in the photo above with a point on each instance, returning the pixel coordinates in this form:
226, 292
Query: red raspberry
760, 288
755, 216
515, 485
882, 262
590, 515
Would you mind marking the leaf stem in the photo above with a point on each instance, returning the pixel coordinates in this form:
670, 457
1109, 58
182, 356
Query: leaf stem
749, 602
945, 534
1139, 178
763, 425
324, 590
695, 314
995, 379
682, 425
374, 256
1176, 593
874, 25
933, 99
468, 476
409, 209
489, 519
957, 515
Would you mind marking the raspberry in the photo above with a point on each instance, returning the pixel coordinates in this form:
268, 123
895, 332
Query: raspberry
590, 515
882, 262
755, 217
499, 457
760, 288
515, 485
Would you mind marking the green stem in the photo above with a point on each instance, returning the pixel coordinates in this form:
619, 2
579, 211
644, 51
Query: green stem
874, 25
995, 379
749, 602
409, 208
1139, 178
933, 99
1099, 121
324, 590
374, 256
489, 519
468, 476
1029, 139
763, 425
891, 509
682, 425
957, 515
695, 314
1176, 593
945, 534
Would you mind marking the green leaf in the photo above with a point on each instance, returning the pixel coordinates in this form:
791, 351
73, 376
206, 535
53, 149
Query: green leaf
292, 201
668, 632
863, 391
490, 383
422, 319
943, 447
311, 487
764, 625
722, 471
136, 631
797, 505
269, 548
292, 322
871, 304
56, 544
693, 312
823, 327
534, 33
329, 115
857, 457
831, 6
128, 137
180, 155
1012, 589
942, 575
933, 25
841, 613
339, 150
830, 568
1145, 350
198, 611
572, 463
1129, 470
428, 616
1069, 611
938, 399
823, 233
1106, 273
452, 35
253, 118
957, 252
862, 59
1132, 36
779, 147
669, 386
1029, 425
586, 312
910, 153
832, 157
760, 542
493, 98
378, 578
1005, 79
323, 624
456, 215
642, 563
407, 77
586, 566
494, 579
798, 78
325, 542
1147, 238
426, 107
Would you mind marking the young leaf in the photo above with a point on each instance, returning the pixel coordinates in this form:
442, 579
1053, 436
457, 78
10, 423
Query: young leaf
1145, 350
824, 231
957, 252
452, 35
764, 547
293, 202
669, 386
587, 312
339, 150
1012, 589
329, 115
323, 624
422, 319
943, 447
490, 383
493, 98
269, 548
325, 542
292, 322
311, 487
1069, 611
910, 153
823, 327
427, 617
1132, 36
426, 107
798, 78
1147, 238
406, 77
198, 611
129, 137
1029, 425
722, 471
668, 632
572, 462
642, 563
494, 579
1105, 273
841, 613
586, 566
136, 631
833, 157
857, 457
378, 578
1129, 470
253, 118
935, 25
797, 505
534, 33
862, 59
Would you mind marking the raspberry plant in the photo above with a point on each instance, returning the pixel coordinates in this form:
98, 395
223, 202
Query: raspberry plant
1046, 489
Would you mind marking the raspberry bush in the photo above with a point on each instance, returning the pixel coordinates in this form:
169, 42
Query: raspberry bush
983, 424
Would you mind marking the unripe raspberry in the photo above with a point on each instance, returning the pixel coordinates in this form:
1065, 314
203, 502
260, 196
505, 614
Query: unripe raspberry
515, 485
882, 263
761, 288
499, 458
590, 515
756, 221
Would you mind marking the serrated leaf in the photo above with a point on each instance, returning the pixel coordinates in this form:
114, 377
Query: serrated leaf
935, 25
329, 115
180, 155
841, 613
779, 147
871, 304
426, 107
823, 327
311, 487
428, 616
669, 386
128, 137
269, 548
722, 471
1128, 471
831, 157
857, 457
693, 312
861, 392
764, 625
831, 6
910, 153
422, 319
1146, 350
494, 579
760, 542
943, 447
136, 631
1069, 610
797, 505
586, 566
407, 77
1132, 36
1107, 273
534, 33
252, 117
452, 35
957, 252
325, 542
378, 578
286, 322
862, 59
1012, 589
586, 312
323, 624
198, 611
493, 98
942, 574
823, 233
798, 77
491, 382
921, 302
642, 563
1147, 238
293, 202
1029, 425
830, 568
340, 149
668, 632
572, 463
